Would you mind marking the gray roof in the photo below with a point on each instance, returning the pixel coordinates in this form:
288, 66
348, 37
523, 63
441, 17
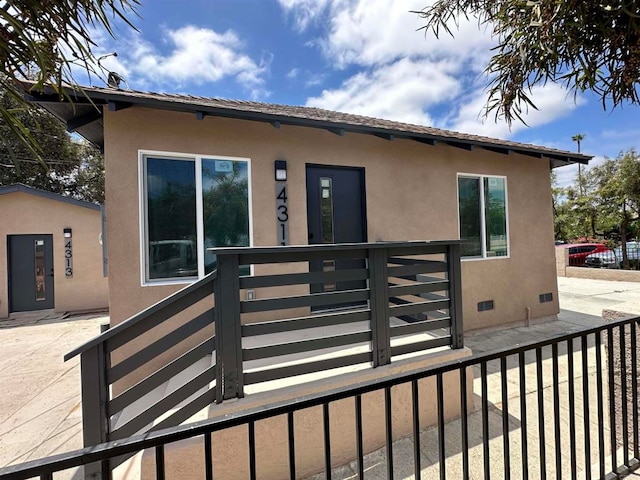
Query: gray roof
84, 118
18, 187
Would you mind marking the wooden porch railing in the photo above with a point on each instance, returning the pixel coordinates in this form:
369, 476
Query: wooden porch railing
395, 298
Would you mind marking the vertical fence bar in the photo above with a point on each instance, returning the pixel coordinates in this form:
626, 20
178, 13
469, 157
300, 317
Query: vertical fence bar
252, 450
227, 319
208, 457
160, 462
556, 410
523, 416
624, 399
585, 409
634, 386
379, 301
505, 419
388, 421
95, 398
441, 448
612, 401
415, 398
327, 440
292, 446
600, 388
463, 423
541, 439
359, 440
572, 409
485, 420
455, 295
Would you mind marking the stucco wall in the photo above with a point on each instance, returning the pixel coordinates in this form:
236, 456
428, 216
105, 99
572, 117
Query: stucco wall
411, 194
22, 214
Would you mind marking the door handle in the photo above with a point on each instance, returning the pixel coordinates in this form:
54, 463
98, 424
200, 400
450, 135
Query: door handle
51, 274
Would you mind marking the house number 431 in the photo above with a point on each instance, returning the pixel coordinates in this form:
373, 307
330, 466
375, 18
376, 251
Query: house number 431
282, 213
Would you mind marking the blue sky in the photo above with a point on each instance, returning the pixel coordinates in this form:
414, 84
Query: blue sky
358, 56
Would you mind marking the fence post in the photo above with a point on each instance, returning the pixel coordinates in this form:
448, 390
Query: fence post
227, 319
95, 416
379, 302
455, 295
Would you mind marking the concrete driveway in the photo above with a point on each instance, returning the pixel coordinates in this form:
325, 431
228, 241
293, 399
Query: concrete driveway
40, 411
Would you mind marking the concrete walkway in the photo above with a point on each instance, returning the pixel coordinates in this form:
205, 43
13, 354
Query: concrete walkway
40, 399
40, 411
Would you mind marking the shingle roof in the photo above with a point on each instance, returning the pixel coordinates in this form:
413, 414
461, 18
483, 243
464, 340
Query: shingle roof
338, 122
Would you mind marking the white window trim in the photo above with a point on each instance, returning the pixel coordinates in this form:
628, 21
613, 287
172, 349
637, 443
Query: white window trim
142, 210
483, 227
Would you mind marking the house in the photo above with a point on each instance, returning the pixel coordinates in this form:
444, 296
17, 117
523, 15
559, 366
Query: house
381, 181
185, 175
51, 252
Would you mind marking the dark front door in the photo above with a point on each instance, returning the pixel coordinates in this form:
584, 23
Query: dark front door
336, 213
30, 272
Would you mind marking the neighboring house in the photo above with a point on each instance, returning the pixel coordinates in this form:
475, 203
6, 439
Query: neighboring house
186, 173
51, 253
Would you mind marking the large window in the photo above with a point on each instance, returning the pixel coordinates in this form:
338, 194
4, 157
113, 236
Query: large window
482, 207
191, 204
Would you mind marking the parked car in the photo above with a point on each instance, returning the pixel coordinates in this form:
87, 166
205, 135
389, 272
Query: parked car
613, 258
579, 251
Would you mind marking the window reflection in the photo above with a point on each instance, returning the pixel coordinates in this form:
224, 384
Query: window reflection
469, 206
40, 270
171, 218
495, 217
225, 205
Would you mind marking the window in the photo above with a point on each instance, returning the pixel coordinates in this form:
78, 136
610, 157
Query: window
482, 210
191, 204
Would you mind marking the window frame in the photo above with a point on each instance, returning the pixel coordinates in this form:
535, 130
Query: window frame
483, 220
143, 213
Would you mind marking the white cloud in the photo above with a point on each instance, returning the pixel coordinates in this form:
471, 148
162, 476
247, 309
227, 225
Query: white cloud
193, 56
398, 91
304, 12
293, 73
374, 32
552, 100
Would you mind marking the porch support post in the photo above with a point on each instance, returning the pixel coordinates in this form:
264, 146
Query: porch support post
379, 302
227, 319
95, 416
455, 295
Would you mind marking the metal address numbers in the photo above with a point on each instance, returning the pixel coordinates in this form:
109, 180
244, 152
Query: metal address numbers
282, 213
68, 253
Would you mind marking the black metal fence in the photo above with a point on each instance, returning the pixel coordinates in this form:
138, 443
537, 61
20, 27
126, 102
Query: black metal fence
566, 407
381, 300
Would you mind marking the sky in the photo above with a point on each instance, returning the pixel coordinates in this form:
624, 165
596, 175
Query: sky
365, 57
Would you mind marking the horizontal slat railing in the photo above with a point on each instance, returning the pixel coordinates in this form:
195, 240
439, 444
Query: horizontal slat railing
132, 346
313, 320
598, 379
391, 287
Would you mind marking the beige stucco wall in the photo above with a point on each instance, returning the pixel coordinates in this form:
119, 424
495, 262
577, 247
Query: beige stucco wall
22, 214
410, 193
230, 454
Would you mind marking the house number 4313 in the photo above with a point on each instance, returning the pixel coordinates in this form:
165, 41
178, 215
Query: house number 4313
282, 213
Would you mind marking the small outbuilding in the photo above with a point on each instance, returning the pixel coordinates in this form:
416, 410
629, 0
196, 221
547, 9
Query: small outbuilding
51, 252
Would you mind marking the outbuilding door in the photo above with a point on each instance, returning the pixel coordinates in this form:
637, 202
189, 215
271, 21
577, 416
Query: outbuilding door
336, 213
30, 272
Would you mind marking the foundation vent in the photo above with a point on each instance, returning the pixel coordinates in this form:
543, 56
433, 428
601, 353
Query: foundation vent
485, 305
546, 297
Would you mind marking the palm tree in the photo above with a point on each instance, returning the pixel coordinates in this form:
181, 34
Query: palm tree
578, 138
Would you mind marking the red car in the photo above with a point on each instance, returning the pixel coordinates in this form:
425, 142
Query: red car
578, 252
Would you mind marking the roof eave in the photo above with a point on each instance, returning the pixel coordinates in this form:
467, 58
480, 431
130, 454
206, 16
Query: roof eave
80, 122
